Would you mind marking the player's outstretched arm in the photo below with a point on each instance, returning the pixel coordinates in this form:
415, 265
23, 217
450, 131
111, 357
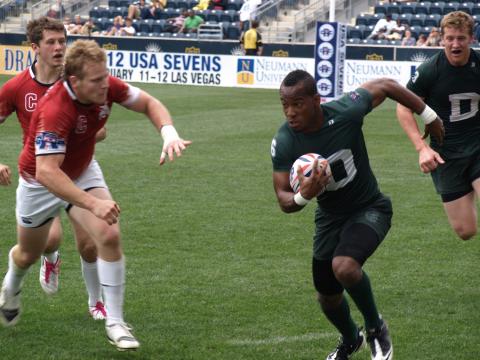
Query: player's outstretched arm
161, 119
382, 88
49, 174
428, 159
5, 175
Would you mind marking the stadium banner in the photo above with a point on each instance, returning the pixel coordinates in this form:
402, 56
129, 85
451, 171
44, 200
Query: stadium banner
198, 69
14, 59
358, 72
217, 70
330, 54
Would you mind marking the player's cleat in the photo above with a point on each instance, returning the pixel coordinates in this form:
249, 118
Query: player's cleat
345, 351
98, 311
9, 307
119, 335
380, 344
49, 273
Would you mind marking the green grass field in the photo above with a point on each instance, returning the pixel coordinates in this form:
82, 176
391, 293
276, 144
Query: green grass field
216, 271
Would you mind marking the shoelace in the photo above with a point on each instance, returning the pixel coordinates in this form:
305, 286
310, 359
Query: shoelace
51, 268
100, 308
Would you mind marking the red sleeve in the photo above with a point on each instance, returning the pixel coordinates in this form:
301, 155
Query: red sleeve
7, 99
52, 126
118, 91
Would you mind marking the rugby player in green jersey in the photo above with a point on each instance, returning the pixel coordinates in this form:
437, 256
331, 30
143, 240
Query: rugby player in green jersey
353, 216
450, 83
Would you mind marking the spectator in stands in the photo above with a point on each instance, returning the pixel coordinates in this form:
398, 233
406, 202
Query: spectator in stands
408, 39
251, 40
128, 29
139, 10
202, 5
191, 23
56, 11
218, 4
382, 28
422, 38
89, 28
77, 25
248, 11
114, 30
68, 24
397, 31
174, 25
434, 38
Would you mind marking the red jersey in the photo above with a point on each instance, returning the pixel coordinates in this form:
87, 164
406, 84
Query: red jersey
62, 125
21, 95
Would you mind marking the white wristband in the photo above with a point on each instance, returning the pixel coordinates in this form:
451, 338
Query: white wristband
428, 115
169, 134
300, 200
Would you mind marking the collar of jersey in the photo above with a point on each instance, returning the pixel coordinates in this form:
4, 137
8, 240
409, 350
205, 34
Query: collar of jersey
67, 86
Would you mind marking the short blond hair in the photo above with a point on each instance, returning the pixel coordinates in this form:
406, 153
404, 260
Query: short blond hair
457, 20
81, 52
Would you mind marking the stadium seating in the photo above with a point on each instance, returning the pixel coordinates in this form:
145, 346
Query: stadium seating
423, 8
450, 7
432, 20
355, 32
363, 19
418, 20
437, 8
408, 8
145, 25
233, 31
466, 7
405, 18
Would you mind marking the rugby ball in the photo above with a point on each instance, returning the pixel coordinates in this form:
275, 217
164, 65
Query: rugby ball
305, 162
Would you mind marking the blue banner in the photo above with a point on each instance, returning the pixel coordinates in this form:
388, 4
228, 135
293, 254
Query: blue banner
330, 54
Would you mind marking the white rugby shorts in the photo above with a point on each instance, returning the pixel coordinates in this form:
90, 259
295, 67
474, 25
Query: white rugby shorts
36, 205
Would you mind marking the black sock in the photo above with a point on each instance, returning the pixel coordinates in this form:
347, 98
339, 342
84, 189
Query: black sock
341, 319
361, 293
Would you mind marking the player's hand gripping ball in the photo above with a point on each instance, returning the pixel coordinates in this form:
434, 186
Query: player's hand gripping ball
306, 164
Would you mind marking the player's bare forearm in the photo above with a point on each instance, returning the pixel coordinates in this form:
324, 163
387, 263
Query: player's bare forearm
284, 193
409, 125
101, 134
385, 87
153, 109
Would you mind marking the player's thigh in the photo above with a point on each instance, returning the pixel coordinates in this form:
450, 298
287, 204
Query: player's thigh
462, 212
95, 227
55, 234
365, 230
32, 240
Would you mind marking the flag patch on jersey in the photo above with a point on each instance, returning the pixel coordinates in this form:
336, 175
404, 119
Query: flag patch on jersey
48, 142
354, 95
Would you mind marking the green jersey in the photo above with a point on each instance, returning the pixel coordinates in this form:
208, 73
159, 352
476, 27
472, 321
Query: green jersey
454, 93
340, 141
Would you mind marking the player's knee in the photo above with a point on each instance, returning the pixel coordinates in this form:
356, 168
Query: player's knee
110, 238
465, 232
88, 252
346, 270
24, 259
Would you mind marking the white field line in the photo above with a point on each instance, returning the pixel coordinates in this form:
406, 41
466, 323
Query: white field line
281, 339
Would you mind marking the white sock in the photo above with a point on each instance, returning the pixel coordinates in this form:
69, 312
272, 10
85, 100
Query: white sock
14, 276
51, 257
112, 278
90, 276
